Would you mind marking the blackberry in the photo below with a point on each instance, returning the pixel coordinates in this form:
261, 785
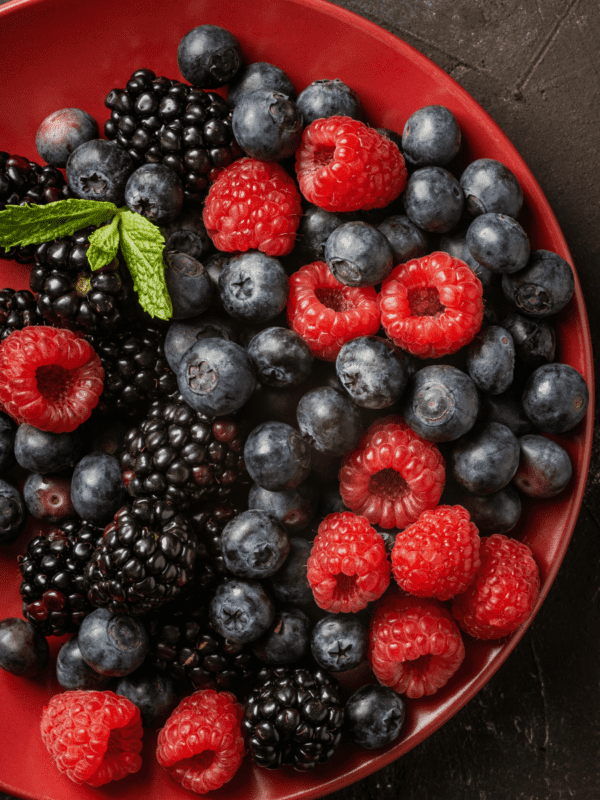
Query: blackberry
53, 588
293, 716
136, 372
146, 556
181, 456
163, 121
17, 310
70, 295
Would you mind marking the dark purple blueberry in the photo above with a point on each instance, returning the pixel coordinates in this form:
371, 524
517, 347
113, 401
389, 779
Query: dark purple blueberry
13, 513
330, 421
290, 583
259, 75
267, 125
490, 187
456, 245
294, 508
339, 642
187, 233
555, 398
155, 192
48, 497
534, 339
358, 254
431, 136
406, 240
62, 132
440, 403
253, 287
209, 56
254, 544
372, 371
281, 357
486, 459
498, 243
23, 649
241, 610
72, 672
99, 170
154, 692
498, 512
286, 640
433, 199
393, 136
543, 287
8, 431
328, 98
276, 456
45, 451
544, 467
183, 334
374, 716
491, 359
113, 645
189, 285
97, 489
316, 226
507, 409
214, 266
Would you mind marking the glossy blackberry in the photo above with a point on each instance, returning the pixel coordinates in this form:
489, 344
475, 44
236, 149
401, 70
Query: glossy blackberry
293, 716
146, 557
53, 588
70, 295
163, 121
17, 310
179, 455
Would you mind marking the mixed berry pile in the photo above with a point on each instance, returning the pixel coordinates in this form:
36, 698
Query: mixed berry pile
317, 461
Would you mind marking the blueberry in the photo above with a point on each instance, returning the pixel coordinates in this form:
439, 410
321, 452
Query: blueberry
543, 287
486, 459
507, 409
48, 497
440, 403
99, 170
183, 334
498, 242
330, 421
187, 233
189, 285
393, 136
215, 266
534, 339
155, 192
294, 508
276, 456
45, 451
406, 240
113, 645
254, 544
433, 199
97, 488
491, 359
281, 357
241, 610
290, 583
286, 640
316, 226
23, 649
456, 245
254, 287
544, 467
8, 431
431, 136
259, 75
209, 56
357, 254
372, 371
267, 125
339, 642
490, 187
72, 672
555, 398
215, 377
13, 513
328, 98
153, 692
374, 715
62, 132
498, 512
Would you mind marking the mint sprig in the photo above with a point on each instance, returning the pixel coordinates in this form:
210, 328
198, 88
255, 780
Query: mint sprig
24, 225
104, 244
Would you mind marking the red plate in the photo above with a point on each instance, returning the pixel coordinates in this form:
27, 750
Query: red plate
68, 53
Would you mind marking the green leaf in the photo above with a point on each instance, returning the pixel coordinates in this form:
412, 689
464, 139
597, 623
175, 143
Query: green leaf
23, 225
142, 244
104, 244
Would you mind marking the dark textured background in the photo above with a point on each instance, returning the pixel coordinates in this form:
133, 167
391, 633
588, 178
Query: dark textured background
533, 732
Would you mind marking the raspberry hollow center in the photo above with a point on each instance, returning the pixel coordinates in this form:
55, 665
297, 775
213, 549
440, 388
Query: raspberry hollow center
424, 302
388, 483
334, 299
198, 763
346, 585
53, 383
323, 157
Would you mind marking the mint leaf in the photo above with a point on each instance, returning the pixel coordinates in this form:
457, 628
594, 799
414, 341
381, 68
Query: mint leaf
142, 244
23, 225
104, 244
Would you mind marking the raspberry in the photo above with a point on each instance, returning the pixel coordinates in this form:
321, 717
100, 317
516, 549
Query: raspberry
348, 565
343, 165
93, 737
415, 646
393, 475
504, 591
50, 378
432, 305
438, 555
201, 744
253, 205
327, 313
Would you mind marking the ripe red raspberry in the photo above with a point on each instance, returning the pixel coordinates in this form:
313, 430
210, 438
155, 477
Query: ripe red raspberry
343, 165
50, 378
201, 744
253, 205
348, 566
504, 591
432, 305
438, 555
393, 475
93, 737
415, 646
327, 313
